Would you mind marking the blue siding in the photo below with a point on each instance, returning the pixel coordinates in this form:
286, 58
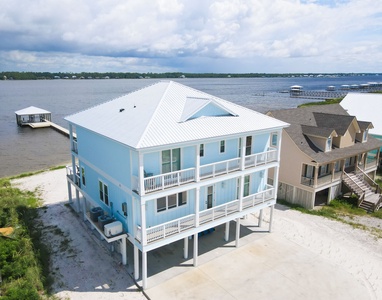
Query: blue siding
212, 151
211, 110
154, 218
152, 162
188, 157
111, 157
260, 143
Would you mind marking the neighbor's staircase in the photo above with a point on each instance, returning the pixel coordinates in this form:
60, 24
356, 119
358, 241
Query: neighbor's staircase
369, 197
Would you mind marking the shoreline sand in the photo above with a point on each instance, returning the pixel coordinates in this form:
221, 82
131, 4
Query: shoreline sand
304, 257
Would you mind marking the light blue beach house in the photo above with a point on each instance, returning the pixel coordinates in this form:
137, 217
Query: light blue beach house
168, 162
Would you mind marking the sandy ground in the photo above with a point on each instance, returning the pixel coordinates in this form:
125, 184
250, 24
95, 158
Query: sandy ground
333, 261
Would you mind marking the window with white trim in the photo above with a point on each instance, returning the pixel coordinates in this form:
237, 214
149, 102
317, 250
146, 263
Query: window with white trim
170, 160
364, 137
328, 144
83, 176
222, 146
171, 201
103, 192
246, 186
248, 145
201, 150
274, 137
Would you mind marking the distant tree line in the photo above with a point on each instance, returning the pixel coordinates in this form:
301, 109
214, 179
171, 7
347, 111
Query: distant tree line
123, 75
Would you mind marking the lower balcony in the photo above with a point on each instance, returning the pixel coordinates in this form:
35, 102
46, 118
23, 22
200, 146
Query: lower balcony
322, 180
177, 226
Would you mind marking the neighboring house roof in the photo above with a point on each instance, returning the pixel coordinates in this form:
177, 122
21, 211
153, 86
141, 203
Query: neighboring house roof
318, 131
168, 113
366, 106
31, 110
302, 119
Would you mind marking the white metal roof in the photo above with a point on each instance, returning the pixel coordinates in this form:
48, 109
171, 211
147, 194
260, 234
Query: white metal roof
367, 107
161, 114
31, 110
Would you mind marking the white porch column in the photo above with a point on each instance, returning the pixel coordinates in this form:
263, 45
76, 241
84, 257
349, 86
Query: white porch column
242, 153
70, 192
237, 232
143, 223
141, 175
197, 163
185, 249
197, 200
195, 250
260, 218
271, 218
144, 270
124, 254
226, 235
136, 263
78, 202
241, 189
83, 208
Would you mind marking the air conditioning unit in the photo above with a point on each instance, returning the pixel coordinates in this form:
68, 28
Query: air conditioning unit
95, 212
103, 220
112, 229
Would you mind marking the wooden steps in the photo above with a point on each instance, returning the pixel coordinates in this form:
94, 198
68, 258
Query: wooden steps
370, 200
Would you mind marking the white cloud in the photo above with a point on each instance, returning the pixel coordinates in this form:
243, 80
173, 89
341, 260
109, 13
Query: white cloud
168, 34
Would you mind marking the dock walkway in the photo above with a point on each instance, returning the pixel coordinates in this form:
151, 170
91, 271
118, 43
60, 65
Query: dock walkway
56, 127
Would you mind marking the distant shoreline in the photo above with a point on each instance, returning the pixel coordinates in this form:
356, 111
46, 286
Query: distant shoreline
13, 75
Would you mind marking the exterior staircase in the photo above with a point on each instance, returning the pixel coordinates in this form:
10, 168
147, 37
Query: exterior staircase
369, 197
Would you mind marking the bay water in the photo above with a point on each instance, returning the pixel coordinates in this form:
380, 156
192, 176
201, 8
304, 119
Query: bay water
23, 149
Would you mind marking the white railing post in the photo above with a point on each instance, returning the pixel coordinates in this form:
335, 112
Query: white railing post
141, 176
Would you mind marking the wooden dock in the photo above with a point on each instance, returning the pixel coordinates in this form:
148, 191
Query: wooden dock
47, 123
318, 94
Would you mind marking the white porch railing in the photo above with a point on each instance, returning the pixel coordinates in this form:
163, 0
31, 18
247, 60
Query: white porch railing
74, 146
257, 159
162, 181
218, 212
258, 198
176, 226
219, 168
76, 178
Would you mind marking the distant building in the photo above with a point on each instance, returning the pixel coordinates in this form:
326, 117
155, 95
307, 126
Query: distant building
31, 115
324, 150
167, 163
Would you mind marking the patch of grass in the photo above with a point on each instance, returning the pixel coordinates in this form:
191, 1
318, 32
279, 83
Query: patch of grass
325, 102
24, 260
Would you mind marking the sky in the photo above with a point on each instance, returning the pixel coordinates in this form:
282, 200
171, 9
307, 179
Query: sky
191, 36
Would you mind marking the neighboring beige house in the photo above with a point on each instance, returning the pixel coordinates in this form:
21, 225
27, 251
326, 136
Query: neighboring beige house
324, 152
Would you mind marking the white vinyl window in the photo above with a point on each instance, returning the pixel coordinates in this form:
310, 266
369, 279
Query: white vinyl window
103, 192
222, 147
83, 176
171, 201
328, 144
274, 139
364, 138
170, 160
248, 145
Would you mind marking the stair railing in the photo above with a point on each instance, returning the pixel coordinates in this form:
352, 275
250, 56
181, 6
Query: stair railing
376, 185
360, 197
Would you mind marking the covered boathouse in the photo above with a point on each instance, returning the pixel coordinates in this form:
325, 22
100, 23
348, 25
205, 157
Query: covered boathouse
32, 116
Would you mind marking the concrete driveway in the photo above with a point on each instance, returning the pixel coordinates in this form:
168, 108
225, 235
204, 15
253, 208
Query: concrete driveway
265, 266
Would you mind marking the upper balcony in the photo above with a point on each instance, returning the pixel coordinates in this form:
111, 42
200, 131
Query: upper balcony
177, 178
